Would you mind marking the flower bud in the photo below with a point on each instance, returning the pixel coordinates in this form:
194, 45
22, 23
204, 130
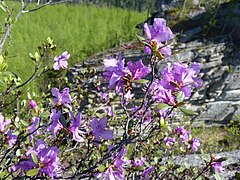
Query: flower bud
33, 104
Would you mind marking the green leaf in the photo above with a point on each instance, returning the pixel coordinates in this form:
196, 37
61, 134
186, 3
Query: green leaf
1, 59
180, 96
101, 168
25, 123
32, 172
205, 158
217, 176
140, 39
188, 111
141, 81
220, 159
3, 8
163, 106
34, 158
18, 153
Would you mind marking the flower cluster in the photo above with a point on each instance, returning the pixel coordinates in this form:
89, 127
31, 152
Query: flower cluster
42, 158
121, 76
65, 123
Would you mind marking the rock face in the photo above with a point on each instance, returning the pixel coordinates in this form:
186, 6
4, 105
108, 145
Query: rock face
219, 98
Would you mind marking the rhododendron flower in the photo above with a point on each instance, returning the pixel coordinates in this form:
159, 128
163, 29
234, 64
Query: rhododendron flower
139, 162
138, 70
56, 124
158, 34
74, 127
3, 124
147, 118
128, 96
99, 129
146, 172
33, 127
110, 111
115, 72
115, 170
195, 142
169, 141
180, 78
61, 61
182, 133
119, 75
11, 138
61, 98
104, 97
47, 160
33, 104
217, 166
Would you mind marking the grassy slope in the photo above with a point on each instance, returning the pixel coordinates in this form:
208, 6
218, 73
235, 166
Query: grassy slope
82, 30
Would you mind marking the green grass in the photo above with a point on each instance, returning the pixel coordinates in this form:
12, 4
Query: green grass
80, 29
218, 139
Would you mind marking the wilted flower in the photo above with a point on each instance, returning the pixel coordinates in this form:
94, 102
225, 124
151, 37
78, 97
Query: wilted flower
3, 124
61, 61
99, 129
61, 98
158, 34
46, 160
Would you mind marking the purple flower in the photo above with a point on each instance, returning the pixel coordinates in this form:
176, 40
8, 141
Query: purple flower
33, 127
146, 172
217, 166
33, 104
110, 111
47, 160
56, 124
139, 162
182, 133
169, 141
115, 72
161, 94
181, 78
195, 142
3, 124
61, 61
74, 127
158, 34
128, 96
99, 129
118, 74
138, 70
103, 97
147, 118
11, 138
61, 98
116, 170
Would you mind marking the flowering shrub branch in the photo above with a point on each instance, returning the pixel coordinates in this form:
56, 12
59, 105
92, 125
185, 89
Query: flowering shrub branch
74, 132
